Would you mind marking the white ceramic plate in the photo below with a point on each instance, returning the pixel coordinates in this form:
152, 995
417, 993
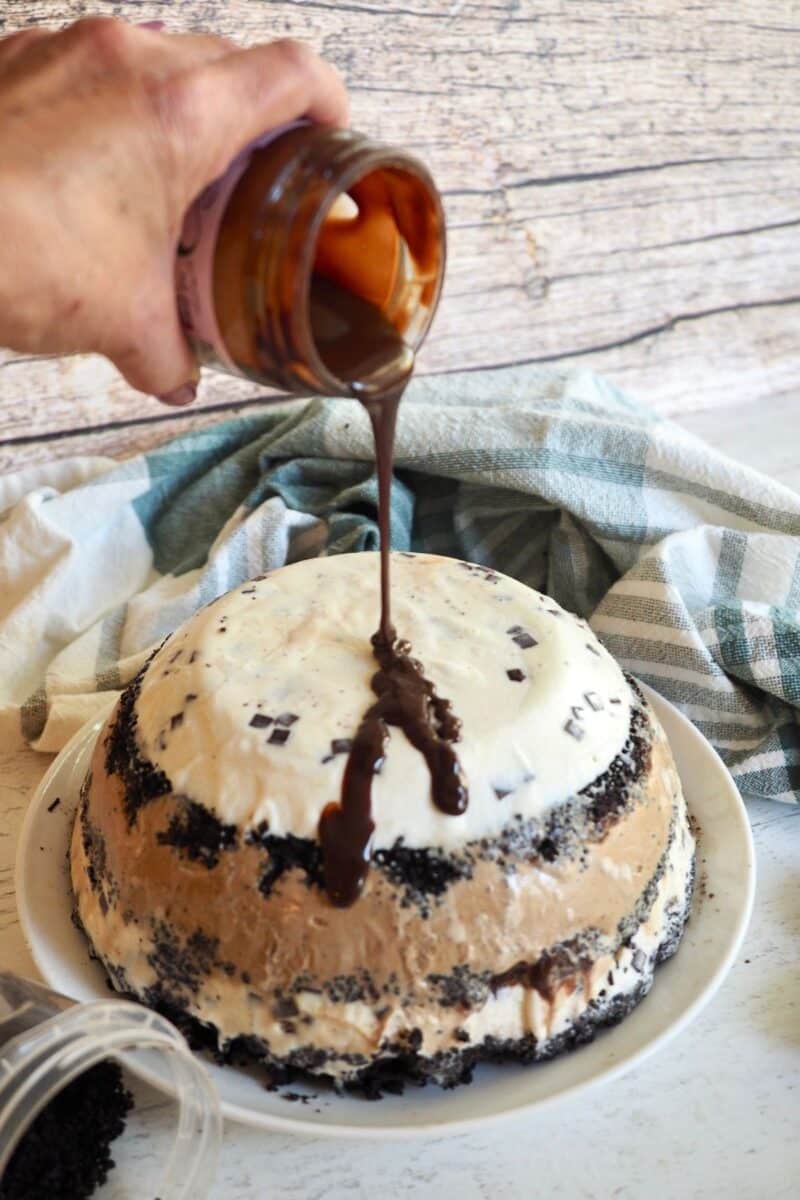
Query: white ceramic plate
682, 986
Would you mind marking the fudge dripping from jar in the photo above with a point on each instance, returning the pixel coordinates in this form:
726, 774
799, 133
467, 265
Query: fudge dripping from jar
315, 266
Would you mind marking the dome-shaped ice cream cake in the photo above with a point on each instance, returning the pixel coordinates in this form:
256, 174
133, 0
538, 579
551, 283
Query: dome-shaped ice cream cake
512, 930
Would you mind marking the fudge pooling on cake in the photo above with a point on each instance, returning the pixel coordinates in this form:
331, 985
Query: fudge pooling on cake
512, 930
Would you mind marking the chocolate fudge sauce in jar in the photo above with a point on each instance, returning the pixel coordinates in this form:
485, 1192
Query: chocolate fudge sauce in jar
315, 266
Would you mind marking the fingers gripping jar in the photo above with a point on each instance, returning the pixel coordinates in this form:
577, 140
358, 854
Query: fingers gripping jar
313, 233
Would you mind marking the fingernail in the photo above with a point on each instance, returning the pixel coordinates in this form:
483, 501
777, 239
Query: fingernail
154, 25
182, 396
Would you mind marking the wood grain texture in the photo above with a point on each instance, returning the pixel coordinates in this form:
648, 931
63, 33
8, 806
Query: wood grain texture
622, 184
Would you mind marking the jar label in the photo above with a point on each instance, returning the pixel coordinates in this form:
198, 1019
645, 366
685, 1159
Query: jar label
194, 262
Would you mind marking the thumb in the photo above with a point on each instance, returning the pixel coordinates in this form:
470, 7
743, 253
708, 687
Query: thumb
154, 355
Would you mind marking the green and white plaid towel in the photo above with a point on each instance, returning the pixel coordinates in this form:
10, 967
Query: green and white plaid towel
687, 564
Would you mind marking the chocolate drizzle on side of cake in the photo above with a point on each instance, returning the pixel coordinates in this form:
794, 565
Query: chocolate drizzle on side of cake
405, 698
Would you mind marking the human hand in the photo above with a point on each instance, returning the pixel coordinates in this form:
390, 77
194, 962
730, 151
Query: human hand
108, 131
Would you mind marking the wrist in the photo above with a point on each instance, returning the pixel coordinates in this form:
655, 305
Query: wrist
39, 273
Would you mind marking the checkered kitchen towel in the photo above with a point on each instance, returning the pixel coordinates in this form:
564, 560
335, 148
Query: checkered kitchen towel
687, 564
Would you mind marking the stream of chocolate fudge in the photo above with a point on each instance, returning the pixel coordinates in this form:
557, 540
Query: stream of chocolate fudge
362, 335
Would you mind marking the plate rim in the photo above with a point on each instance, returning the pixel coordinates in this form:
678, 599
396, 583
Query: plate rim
434, 1128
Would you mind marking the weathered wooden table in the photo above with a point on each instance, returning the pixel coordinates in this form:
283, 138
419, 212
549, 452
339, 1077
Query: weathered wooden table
622, 182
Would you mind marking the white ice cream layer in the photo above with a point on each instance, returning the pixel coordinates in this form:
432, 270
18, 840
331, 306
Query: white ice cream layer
296, 646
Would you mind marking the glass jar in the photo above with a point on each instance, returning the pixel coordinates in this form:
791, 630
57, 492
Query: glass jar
310, 261
47, 1041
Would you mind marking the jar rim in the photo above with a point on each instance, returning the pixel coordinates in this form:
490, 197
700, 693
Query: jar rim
362, 157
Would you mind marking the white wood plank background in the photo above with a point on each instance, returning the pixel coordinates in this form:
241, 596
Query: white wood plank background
622, 183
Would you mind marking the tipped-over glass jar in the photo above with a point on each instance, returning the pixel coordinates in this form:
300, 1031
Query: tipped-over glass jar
314, 264
48, 1045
